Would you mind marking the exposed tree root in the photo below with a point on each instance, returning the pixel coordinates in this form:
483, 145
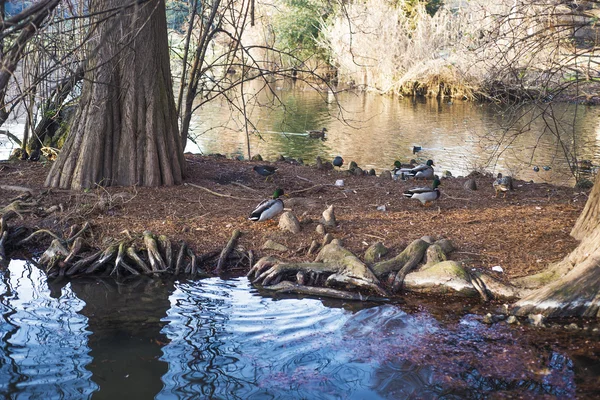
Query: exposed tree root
227, 250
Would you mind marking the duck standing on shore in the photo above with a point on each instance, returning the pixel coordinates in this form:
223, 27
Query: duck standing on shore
269, 208
425, 195
422, 171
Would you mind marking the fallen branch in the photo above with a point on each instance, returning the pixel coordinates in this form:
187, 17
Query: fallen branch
17, 189
244, 186
220, 194
227, 250
287, 287
309, 188
38, 232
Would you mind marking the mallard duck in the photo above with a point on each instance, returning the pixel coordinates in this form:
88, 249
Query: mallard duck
422, 171
338, 161
317, 134
425, 195
268, 208
265, 170
502, 184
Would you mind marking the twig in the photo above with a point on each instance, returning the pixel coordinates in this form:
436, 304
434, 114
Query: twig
17, 188
304, 179
244, 186
227, 250
374, 236
28, 238
310, 188
219, 194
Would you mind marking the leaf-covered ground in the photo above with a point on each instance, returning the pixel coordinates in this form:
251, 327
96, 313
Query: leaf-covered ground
522, 233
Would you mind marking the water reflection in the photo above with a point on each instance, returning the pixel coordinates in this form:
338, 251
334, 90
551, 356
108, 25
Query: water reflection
125, 341
43, 340
223, 339
376, 130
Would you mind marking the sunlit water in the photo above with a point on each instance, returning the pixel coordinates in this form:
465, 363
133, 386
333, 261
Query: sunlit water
376, 130
221, 339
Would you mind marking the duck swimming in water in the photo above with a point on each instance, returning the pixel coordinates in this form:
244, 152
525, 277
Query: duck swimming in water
317, 134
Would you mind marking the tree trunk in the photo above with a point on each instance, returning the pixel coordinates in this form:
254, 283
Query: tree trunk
576, 291
125, 130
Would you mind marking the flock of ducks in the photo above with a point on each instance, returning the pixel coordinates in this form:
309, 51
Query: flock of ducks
272, 207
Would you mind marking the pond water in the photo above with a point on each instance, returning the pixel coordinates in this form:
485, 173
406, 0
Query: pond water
376, 130
222, 339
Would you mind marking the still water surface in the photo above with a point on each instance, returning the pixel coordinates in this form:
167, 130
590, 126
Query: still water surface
376, 130
221, 339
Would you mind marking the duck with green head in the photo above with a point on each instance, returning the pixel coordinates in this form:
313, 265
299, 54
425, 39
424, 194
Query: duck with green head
425, 195
422, 171
269, 208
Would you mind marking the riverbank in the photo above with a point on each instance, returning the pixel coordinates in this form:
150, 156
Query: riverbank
521, 233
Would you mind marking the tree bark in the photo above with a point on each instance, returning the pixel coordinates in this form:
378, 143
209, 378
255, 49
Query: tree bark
125, 130
575, 288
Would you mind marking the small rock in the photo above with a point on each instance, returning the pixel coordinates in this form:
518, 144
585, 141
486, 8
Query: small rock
386, 174
488, 319
428, 239
313, 247
375, 252
257, 157
572, 327
536, 319
329, 217
381, 208
320, 229
339, 183
512, 320
497, 268
271, 245
288, 222
470, 184
446, 245
338, 242
327, 239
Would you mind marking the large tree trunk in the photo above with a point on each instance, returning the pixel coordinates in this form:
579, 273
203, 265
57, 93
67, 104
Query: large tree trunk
576, 291
125, 131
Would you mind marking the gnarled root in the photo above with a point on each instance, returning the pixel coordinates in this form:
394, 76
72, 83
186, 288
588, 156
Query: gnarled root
336, 265
402, 264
